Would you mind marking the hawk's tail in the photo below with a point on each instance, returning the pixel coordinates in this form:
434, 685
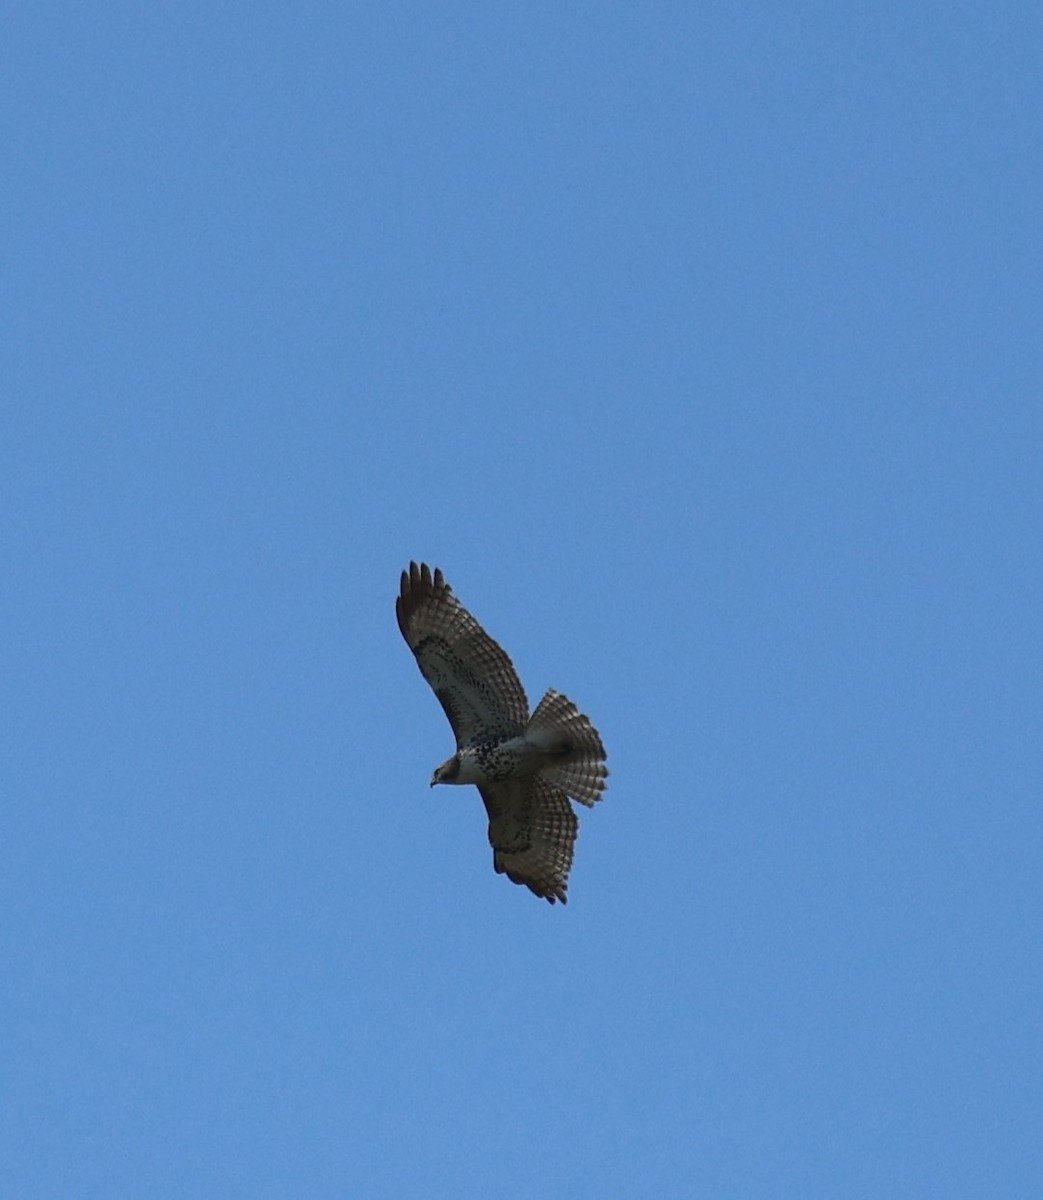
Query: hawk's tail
575, 755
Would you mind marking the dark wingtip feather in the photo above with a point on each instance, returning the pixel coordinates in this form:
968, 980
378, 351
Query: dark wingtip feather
416, 586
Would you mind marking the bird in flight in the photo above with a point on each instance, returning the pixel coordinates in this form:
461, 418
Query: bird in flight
525, 767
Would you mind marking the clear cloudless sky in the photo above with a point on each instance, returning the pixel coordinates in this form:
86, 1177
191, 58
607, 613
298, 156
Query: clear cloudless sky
700, 345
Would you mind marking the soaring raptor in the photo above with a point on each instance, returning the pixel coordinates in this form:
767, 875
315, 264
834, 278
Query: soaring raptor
526, 767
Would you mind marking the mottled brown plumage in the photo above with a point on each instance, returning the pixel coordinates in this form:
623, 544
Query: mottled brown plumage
525, 768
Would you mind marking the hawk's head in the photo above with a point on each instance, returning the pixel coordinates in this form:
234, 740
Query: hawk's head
447, 772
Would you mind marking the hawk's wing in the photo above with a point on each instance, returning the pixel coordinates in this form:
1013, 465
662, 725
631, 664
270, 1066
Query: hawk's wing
470, 674
532, 830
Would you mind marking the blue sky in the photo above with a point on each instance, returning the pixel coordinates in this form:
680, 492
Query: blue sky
700, 347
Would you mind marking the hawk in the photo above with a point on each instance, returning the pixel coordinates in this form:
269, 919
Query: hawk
525, 767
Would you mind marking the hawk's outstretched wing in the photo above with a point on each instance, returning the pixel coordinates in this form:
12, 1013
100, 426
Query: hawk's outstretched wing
471, 675
532, 830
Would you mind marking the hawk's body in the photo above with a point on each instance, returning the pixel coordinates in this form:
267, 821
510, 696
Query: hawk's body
526, 768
